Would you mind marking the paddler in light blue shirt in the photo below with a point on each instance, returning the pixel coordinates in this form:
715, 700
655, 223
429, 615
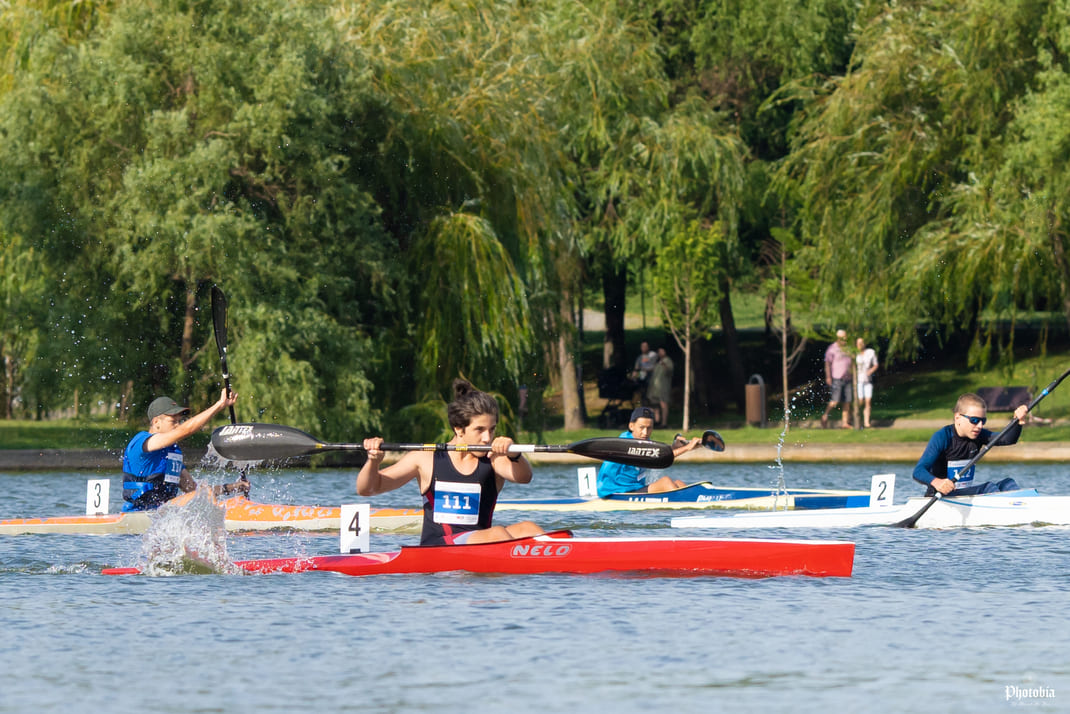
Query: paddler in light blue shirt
153, 470
621, 478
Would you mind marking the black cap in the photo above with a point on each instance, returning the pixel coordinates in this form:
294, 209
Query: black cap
642, 413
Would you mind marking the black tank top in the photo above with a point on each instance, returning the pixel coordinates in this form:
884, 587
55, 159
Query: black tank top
456, 503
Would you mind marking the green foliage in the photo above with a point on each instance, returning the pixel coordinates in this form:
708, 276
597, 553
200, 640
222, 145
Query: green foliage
194, 143
397, 192
22, 329
895, 168
685, 280
473, 307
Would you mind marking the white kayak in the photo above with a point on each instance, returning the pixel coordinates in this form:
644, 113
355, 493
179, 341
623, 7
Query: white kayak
1008, 508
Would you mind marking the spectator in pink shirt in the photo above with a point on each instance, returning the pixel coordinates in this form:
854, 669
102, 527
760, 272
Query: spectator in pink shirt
838, 378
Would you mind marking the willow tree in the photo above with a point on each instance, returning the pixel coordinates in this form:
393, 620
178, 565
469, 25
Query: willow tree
512, 114
889, 160
21, 22
736, 55
469, 176
1016, 215
22, 329
190, 143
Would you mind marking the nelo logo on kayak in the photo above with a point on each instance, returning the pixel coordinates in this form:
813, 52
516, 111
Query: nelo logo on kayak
541, 550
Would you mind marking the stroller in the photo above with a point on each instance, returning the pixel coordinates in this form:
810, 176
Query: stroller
615, 386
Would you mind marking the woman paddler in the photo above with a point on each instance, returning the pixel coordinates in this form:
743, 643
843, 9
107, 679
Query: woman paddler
460, 488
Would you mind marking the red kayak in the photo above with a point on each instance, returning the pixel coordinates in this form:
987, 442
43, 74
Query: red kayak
561, 553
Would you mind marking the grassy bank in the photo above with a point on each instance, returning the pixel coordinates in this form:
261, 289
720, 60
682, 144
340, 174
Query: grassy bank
910, 401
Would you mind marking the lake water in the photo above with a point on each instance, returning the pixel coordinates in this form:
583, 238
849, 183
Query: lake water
931, 621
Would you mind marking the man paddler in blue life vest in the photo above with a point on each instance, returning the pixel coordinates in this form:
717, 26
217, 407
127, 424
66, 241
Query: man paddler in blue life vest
621, 478
153, 471
955, 446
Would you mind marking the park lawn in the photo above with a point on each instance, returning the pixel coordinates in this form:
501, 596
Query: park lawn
95, 433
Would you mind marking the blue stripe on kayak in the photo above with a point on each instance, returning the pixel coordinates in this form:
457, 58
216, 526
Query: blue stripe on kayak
695, 493
810, 502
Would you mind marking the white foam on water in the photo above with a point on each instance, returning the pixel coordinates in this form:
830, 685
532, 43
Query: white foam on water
187, 539
212, 459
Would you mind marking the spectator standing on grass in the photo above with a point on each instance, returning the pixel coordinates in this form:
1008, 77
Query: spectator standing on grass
865, 366
838, 378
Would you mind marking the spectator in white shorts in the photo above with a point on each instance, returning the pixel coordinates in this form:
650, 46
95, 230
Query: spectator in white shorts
866, 365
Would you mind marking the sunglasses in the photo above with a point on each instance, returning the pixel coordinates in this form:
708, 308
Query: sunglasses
975, 420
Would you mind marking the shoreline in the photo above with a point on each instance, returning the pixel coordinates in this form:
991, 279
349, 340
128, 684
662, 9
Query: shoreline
904, 452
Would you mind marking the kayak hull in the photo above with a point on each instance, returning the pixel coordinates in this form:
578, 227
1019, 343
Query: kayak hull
1009, 508
241, 515
696, 495
561, 553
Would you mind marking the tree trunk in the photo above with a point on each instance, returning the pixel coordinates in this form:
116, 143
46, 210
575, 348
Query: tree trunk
186, 351
731, 346
614, 288
570, 388
8, 392
687, 380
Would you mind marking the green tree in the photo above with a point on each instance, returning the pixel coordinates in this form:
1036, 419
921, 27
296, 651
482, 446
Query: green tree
22, 287
686, 290
189, 143
897, 163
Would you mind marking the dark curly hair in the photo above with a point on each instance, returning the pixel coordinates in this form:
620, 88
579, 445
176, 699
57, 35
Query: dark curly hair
468, 403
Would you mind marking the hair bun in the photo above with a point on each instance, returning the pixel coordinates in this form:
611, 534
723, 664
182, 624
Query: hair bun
462, 387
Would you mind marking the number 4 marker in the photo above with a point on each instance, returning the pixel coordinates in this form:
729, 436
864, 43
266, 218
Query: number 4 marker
355, 527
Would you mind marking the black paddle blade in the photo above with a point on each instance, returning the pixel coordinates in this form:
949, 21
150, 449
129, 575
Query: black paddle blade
219, 319
633, 452
912, 521
712, 440
219, 324
263, 442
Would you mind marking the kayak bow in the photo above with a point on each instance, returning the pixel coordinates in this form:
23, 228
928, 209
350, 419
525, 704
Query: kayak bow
1007, 508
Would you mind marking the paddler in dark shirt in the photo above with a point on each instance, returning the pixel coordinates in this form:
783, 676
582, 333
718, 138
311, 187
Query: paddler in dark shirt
459, 488
954, 445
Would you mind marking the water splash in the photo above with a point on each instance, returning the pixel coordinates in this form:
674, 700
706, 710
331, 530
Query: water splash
212, 459
187, 538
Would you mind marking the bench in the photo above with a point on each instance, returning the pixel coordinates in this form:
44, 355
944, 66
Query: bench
1004, 399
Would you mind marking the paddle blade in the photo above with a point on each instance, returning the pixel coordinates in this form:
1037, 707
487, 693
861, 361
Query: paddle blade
219, 319
261, 442
913, 520
633, 452
712, 440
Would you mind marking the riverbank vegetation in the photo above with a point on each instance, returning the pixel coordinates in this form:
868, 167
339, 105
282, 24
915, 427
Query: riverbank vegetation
394, 193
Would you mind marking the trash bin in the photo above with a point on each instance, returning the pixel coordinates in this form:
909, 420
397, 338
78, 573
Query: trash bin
755, 393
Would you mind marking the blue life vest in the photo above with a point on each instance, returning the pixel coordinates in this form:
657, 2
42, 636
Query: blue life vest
150, 478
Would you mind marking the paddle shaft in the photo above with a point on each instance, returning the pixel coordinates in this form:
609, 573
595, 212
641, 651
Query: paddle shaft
219, 326
256, 442
633, 459
913, 520
219, 323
